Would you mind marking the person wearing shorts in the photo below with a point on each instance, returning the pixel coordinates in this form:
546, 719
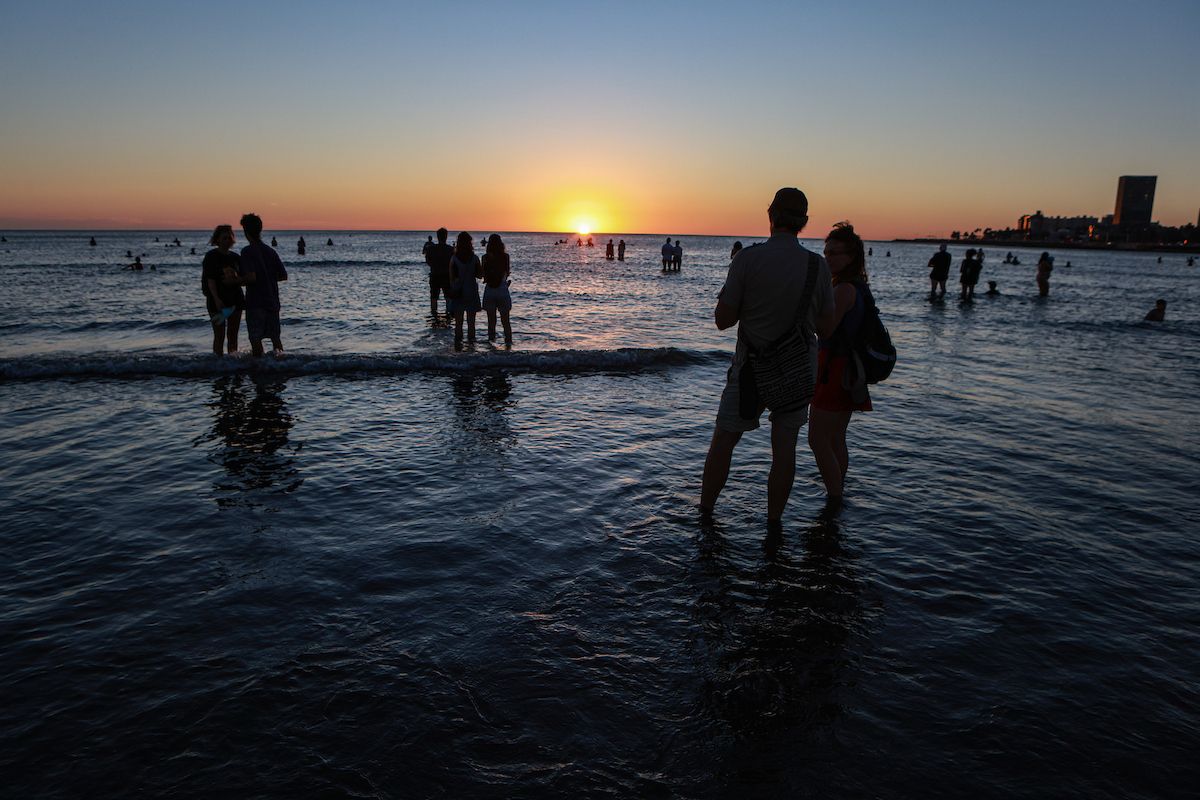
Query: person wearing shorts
762, 295
222, 293
438, 256
496, 271
262, 272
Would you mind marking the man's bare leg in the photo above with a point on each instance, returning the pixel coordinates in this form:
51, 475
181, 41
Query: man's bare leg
716, 467
783, 469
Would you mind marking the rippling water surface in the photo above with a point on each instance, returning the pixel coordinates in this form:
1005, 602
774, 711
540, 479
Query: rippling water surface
381, 568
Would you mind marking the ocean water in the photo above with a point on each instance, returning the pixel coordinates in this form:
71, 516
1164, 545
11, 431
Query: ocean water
382, 568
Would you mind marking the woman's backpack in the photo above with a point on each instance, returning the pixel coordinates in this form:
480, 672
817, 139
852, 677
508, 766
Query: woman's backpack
872, 344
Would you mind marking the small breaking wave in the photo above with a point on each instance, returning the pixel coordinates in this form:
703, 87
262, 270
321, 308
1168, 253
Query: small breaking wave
630, 359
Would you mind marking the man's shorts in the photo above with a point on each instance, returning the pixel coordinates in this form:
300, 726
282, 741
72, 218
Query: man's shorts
728, 418
261, 324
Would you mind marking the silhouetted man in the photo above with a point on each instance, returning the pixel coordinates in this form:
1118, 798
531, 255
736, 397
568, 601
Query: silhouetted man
668, 252
438, 258
939, 273
261, 271
771, 288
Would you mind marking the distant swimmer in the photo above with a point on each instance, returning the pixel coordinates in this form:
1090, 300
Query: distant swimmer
329, 242
136, 266
677, 256
1067, 264
1159, 258
1045, 266
1158, 313
889, 254
579, 242
274, 243
668, 252
590, 242
193, 251
1008, 257
870, 251
1191, 259
992, 290
177, 243
737, 247
3, 240
608, 250
939, 272
155, 238
301, 246
621, 250
129, 254
92, 242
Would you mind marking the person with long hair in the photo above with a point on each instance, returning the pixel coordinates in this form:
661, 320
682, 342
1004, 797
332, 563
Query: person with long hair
839, 392
220, 284
464, 291
1045, 266
496, 269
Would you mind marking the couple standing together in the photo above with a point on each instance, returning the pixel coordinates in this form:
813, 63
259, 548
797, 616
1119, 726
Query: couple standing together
224, 273
780, 295
453, 272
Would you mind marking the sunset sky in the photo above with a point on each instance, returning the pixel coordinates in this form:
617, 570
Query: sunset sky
906, 118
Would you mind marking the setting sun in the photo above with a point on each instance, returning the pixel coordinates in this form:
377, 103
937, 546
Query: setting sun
583, 226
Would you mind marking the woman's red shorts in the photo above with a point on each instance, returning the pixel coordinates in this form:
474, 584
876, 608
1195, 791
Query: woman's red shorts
829, 395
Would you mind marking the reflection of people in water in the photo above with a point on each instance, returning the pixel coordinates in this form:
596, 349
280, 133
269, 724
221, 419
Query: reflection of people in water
251, 423
481, 403
775, 639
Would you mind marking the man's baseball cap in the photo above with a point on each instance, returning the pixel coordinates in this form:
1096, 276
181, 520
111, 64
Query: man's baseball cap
790, 201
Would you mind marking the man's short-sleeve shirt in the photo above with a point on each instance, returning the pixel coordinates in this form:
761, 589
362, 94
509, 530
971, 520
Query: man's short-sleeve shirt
765, 284
268, 270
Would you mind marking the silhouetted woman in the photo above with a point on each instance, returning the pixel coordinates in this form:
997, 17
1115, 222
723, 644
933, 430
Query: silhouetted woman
222, 292
496, 269
464, 269
839, 391
1044, 268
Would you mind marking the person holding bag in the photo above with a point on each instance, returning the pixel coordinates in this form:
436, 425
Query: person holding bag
780, 295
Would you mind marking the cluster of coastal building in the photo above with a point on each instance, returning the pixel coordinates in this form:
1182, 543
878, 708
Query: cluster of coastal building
1130, 223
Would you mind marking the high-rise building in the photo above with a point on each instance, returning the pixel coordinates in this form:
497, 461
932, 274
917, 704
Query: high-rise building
1135, 199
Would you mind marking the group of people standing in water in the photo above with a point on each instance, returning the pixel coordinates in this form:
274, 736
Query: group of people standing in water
257, 270
970, 270
453, 274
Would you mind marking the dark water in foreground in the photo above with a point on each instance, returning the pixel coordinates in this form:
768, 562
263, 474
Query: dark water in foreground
384, 569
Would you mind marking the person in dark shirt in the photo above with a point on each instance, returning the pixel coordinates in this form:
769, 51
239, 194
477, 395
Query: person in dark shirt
496, 297
219, 281
969, 276
1158, 313
621, 250
438, 256
261, 272
939, 271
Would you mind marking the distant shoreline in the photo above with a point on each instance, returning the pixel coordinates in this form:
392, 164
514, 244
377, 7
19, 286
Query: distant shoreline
1000, 244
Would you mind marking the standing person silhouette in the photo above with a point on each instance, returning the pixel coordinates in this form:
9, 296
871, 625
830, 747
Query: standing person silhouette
608, 251
621, 250
968, 276
496, 298
1045, 266
834, 401
677, 256
668, 253
220, 283
939, 272
261, 271
464, 291
773, 291
438, 256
